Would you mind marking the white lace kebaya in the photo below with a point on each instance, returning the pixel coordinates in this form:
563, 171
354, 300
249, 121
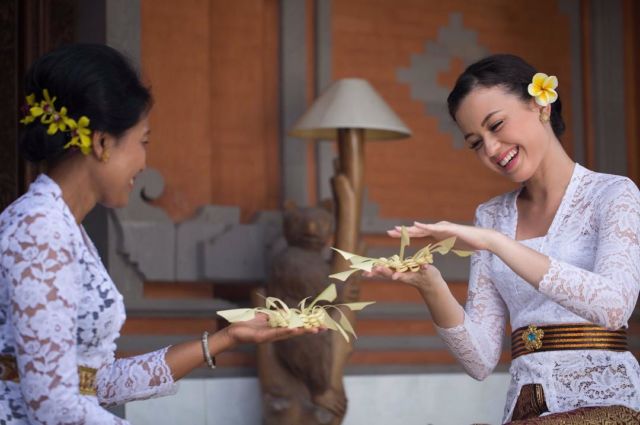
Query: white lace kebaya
594, 247
59, 309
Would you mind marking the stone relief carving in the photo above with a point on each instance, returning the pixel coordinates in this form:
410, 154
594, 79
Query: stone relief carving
148, 236
212, 245
146, 245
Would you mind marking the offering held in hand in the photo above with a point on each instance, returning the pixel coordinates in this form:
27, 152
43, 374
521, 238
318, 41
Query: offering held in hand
398, 262
305, 315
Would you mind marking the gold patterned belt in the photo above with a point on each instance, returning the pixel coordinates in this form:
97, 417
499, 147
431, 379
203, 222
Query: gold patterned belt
532, 339
86, 375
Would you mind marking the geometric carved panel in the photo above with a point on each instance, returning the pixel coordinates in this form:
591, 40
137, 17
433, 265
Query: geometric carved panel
454, 42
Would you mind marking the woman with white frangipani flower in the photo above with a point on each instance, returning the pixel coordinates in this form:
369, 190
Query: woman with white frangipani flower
559, 258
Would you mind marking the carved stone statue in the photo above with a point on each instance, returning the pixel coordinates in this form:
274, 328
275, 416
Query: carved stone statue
297, 272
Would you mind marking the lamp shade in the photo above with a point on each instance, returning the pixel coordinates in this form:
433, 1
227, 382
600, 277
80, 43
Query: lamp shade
350, 103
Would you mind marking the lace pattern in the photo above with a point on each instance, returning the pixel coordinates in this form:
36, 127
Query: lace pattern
135, 378
59, 309
594, 276
477, 343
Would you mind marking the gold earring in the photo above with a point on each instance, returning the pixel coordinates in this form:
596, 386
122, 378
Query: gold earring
544, 117
105, 156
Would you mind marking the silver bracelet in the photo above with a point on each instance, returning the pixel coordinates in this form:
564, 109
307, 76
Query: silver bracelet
210, 360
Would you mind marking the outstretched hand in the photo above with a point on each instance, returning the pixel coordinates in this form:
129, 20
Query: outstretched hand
257, 331
469, 238
427, 277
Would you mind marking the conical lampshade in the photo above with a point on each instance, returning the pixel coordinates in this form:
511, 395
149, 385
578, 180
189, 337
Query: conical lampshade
350, 103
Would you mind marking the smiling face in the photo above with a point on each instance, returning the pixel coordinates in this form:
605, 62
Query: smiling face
505, 131
127, 157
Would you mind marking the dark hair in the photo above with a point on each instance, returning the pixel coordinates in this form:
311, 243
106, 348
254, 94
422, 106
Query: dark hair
508, 71
93, 80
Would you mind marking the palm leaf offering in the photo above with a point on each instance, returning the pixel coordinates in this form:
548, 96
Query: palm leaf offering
305, 315
398, 262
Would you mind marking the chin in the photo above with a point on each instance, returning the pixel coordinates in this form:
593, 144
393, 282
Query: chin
521, 176
518, 180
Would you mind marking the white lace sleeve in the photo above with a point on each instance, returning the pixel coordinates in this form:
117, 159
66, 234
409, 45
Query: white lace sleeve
477, 343
607, 295
135, 378
41, 271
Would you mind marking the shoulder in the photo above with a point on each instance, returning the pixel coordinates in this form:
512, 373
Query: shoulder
31, 207
34, 218
606, 189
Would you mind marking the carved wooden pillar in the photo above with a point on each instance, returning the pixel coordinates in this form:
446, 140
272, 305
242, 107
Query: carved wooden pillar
28, 28
347, 191
351, 165
8, 101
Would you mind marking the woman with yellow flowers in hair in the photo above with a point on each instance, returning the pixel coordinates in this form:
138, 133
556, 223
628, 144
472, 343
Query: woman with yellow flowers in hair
559, 258
60, 312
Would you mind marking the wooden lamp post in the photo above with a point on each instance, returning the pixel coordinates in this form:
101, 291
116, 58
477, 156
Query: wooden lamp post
349, 111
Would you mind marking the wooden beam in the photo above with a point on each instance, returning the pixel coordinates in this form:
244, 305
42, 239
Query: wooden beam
631, 20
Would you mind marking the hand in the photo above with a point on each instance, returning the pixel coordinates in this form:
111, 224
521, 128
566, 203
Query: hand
467, 237
428, 277
257, 331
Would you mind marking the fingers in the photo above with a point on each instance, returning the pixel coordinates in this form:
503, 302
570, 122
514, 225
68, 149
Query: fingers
342, 405
261, 317
384, 271
411, 278
405, 277
393, 233
412, 231
277, 334
423, 226
379, 271
418, 229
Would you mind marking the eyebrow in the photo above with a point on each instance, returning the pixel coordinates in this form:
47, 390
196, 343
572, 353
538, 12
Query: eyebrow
484, 121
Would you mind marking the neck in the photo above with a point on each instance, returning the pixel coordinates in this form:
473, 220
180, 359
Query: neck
552, 177
75, 182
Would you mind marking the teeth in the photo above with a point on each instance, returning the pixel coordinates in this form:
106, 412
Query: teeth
508, 157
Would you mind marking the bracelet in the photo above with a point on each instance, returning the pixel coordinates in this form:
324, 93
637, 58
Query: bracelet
209, 359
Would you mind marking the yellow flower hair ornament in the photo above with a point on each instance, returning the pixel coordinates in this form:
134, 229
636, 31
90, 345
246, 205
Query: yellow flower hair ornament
29, 117
80, 135
542, 88
58, 121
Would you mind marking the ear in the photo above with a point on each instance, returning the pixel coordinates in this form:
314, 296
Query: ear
544, 109
533, 106
101, 142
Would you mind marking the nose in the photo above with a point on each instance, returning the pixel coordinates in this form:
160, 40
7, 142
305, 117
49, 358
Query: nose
491, 146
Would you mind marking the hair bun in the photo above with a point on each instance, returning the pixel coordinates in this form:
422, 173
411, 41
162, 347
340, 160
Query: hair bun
36, 145
91, 81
